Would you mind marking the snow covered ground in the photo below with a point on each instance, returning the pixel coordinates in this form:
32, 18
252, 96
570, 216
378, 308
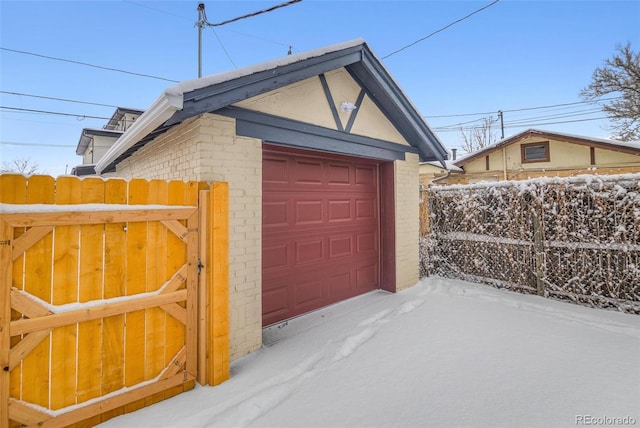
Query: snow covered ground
444, 353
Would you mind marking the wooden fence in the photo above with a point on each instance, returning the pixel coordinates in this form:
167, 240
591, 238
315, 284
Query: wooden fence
100, 309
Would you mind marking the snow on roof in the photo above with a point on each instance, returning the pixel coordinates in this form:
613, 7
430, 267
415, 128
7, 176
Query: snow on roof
203, 82
449, 164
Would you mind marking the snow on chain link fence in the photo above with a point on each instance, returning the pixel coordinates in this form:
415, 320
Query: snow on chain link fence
574, 238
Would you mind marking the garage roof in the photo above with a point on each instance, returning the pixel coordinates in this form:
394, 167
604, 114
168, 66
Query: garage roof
217, 92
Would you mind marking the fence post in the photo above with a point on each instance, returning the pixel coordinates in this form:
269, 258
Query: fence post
203, 288
6, 266
218, 341
538, 248
429, 253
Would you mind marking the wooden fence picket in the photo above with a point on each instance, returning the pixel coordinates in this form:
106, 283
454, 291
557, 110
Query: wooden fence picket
65, 290
37, 280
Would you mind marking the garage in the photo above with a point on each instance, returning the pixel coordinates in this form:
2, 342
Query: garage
320, 230
320, 151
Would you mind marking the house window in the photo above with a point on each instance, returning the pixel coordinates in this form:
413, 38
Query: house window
592, 155
535, 152
486, 163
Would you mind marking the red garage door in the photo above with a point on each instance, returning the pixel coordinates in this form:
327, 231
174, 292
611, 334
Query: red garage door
320, 231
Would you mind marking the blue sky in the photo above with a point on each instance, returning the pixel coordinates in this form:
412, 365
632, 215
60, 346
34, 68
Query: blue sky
514, 55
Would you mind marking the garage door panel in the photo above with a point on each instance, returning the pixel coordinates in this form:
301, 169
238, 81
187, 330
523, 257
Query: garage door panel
307, 172
308, 212
309, 251
365, 176
308, 293
275, 303
339, 210
338, 175
322, 226
275, 170
366, 276
275, 256
340, 285
367, 243
275, 213
340, 246
365, 209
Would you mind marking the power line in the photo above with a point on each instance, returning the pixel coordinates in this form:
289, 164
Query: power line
249, 15
189, 19
555, 123
204, 22
82, 116
58, 99
516, 122
520, 109
456, 125
13, 143
525, 124
224, 49
256, 37
558, 116
88, 65
156, 9
441, 29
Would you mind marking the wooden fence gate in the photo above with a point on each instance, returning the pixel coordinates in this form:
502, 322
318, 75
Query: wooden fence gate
99, 311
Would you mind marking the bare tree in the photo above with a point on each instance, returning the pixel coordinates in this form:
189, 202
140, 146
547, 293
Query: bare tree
22, 166
479, 137
620, 76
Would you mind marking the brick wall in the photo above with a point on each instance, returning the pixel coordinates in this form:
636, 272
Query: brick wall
407, 193
206, 148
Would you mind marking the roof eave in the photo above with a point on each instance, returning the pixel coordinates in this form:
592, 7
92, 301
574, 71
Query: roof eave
159, 112
406, 117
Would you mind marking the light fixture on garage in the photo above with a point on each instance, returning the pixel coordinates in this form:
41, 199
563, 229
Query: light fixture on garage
348, 107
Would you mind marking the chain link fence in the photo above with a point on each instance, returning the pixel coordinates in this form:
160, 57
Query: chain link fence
574, 238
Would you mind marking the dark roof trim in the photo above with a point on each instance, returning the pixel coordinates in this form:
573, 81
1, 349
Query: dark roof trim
119, 114
87, 135
293, 133
331, 102
82, 170
362, 65
213, 97
354, 113
210, 94
389, 98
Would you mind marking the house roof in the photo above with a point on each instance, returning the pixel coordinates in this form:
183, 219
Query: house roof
217, 92
632, 147
449, 165
119, 114
87, 135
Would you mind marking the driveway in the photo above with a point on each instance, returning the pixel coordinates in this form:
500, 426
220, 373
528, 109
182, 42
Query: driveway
444, 353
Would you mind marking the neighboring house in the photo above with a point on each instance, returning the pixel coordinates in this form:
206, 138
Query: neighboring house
433, 170
535, 153
321, 152
94, 143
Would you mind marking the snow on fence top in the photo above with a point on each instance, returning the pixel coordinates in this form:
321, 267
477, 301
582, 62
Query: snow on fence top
54, 208
576, 237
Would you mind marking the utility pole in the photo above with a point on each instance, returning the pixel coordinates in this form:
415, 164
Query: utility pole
202, 21
501, 116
